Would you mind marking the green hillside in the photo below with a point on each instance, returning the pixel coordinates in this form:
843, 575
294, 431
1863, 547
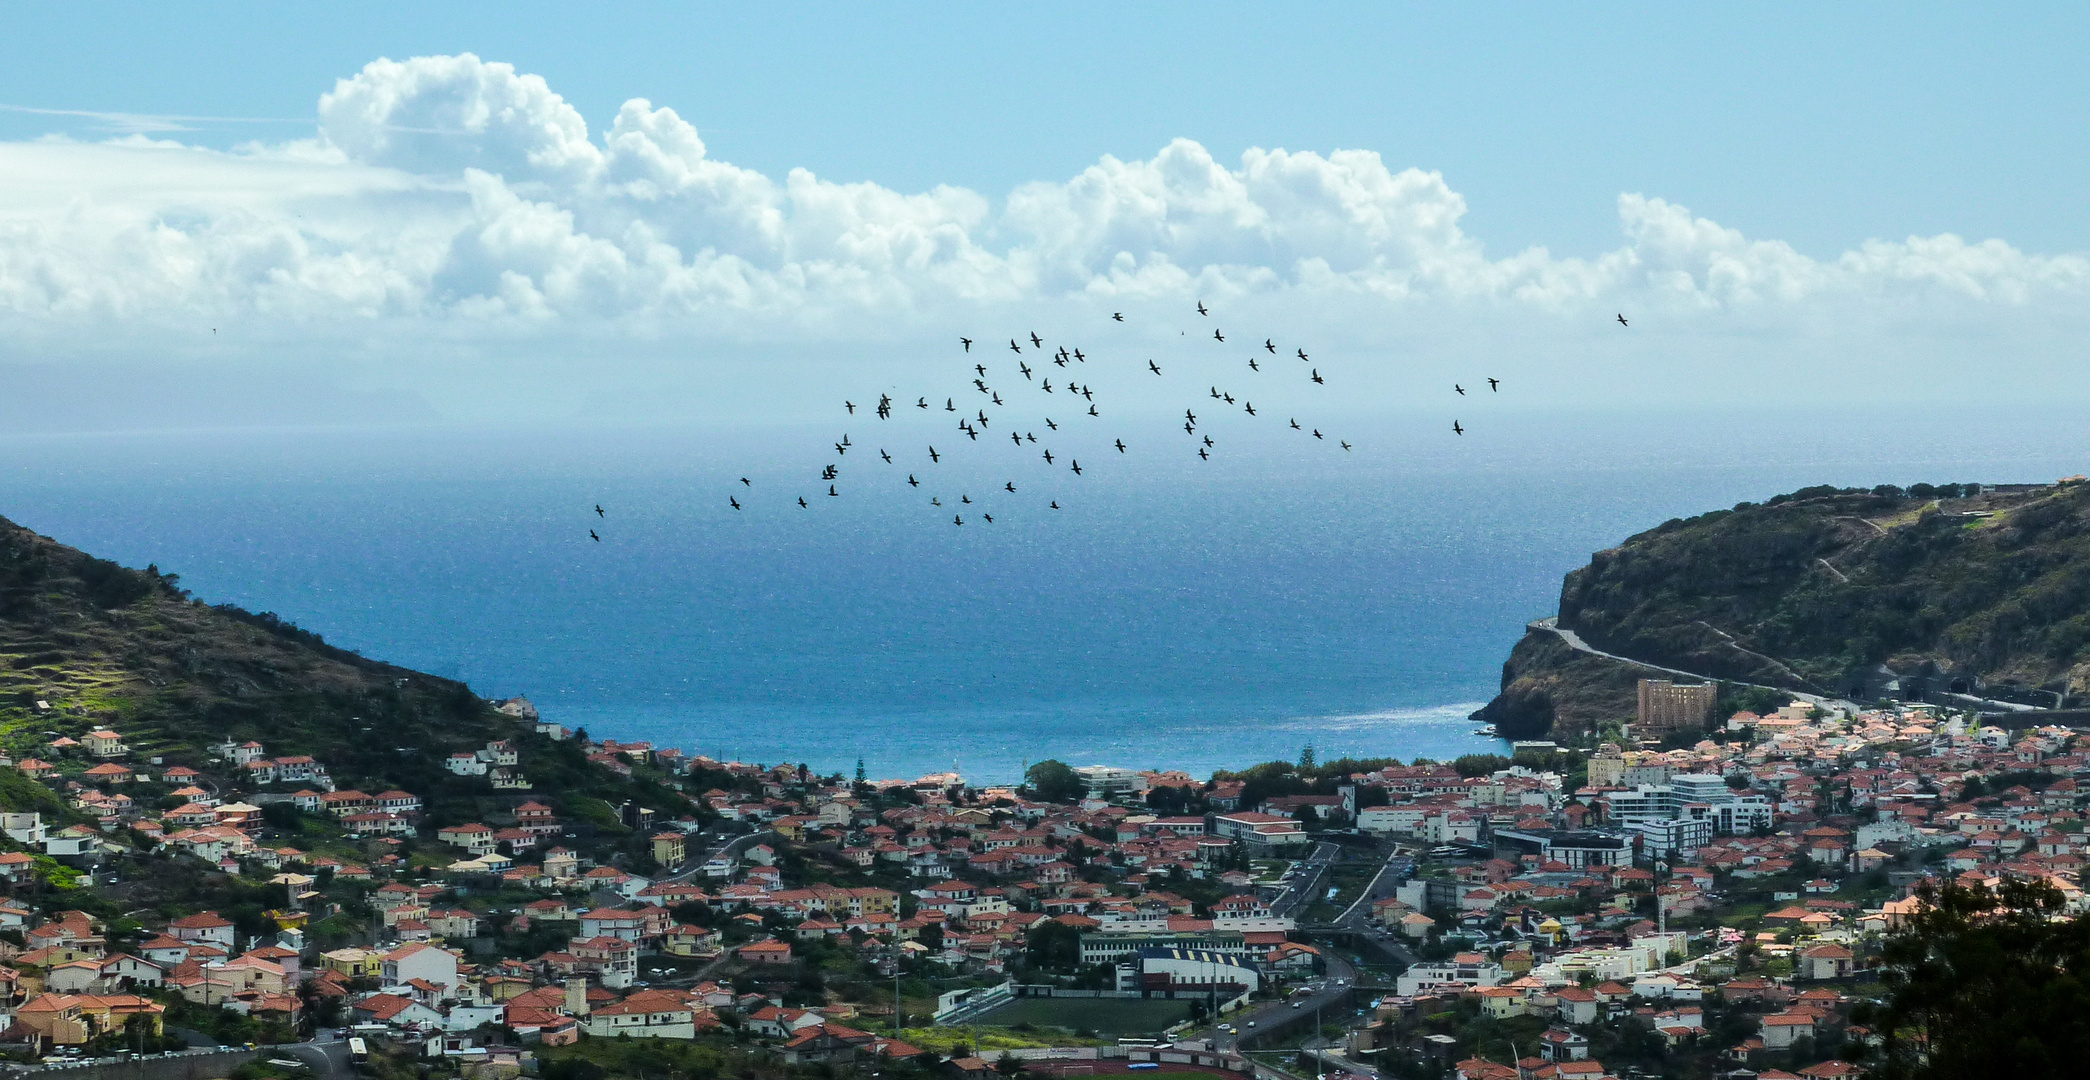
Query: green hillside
1846, 592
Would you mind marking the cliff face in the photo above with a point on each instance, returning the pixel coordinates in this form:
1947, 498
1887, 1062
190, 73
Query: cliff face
1850, 593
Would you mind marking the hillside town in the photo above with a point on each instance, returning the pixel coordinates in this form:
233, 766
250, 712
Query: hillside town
1706, 903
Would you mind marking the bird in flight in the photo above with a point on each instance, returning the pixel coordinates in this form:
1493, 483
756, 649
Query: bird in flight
1201, 308
1028, 437
1015, 438
1250, 406
1252, 364
997, 400
1189, 428
1115, 316
802, 503
1346, 446
1025, 368
1317, 433
948, 406
1302, 354
921, 403
1203, 454
832, 493
734, 501
1460, 389
828, 473
841, 448
1295, 424
956, 520
1035, 343
851, 406
981, 368
968, 343
1622, 319
1093, 412
1056, 502
1077, 467
1219, 336
1456, 429
1228, 398
744, 482
592, 536
1078, 356
1121, 446
934, 457
1155, 368
1208, 440
966, 499
1050, 424
1013, 347
888, 457
1011, 485
598, 511
1048, 457
1048, 386
934, 501
989, 517
912, 482
1495, 385
1190, 416
1317, 377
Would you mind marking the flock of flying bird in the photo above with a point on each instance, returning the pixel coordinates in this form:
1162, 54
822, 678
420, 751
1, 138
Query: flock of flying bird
1080, 397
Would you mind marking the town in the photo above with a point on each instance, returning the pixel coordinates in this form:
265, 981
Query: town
1685, 894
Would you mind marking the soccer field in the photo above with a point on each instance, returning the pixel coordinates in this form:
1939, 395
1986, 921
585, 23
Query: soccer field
1110, 1016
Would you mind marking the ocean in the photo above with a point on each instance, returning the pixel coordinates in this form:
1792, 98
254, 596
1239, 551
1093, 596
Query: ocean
1172, 613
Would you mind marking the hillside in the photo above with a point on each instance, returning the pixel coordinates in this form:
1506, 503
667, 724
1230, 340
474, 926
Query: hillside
1847, 592
103, 645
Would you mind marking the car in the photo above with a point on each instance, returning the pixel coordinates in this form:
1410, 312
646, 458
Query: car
1251, 1023
1295, 1004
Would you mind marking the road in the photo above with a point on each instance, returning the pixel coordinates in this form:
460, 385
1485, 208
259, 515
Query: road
1306, 881
1551, 625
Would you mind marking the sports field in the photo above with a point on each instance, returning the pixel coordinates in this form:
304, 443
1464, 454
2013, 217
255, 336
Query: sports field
1109, 1016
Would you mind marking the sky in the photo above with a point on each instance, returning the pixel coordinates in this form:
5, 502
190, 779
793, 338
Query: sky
238, 214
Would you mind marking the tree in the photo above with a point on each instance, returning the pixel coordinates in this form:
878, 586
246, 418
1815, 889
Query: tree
1054, 946
1306, 759
1480, 764
1054, 781
1985, 982
860, 774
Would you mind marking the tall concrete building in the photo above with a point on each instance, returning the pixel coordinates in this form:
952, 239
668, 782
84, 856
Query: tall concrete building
1666, 707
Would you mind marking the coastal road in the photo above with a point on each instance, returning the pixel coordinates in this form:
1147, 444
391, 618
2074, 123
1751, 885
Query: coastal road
1551, 625
1306, 883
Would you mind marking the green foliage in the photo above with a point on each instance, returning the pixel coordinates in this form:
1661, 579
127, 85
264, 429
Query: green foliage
1985, 983
1480, 764
1053, 781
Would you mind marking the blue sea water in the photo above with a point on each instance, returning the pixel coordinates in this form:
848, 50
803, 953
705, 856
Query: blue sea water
1174, 613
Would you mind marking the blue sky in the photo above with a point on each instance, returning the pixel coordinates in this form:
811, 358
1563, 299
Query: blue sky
1766, 147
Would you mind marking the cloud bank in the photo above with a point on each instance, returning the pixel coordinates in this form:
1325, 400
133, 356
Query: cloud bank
460, 200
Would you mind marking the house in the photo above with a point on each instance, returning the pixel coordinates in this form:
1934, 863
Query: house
103, 743
669, 849
1781, 1030
206, 928
1830, 961
688, 940
473, 837
395, 1010
770, 951
420, 961
647, 1014
778, 1022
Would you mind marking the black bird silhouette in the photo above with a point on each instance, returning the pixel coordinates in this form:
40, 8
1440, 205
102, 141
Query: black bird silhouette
888, 457
981, 368
1085, 393
1121, 446
1317, 377
983, 418
1203, 454
885, 411
592, 536
734, 501
828, 473
1317, 433
968, 343
1189, 428
802, 502
1115, 316
1077, 467
832, 493
1228, 398
1302, 354
934, 501
996, 397
1079, 357
966, 499
1035, 343
912, 482
743, 480
973, 434
1093, 412
1252, 364
1011, 485
852, 407
1201, 308
1456, 429
1013, 347
980, 385
1190, 416
1050, 424
845, 439
1622, 320
1295, 424
1056, 502
1346, 446
989, 517
1208, 440
934, 457
1048, 386
1460, 389
1216, 334
1062, 354
598, 511
921, 403
1495, 385
1015, 438
1154, 367
948, 407
1059, 361
956, 520
1250, 406
1270, 345
1048, 457
1025, 368
841, 448
1028, 437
